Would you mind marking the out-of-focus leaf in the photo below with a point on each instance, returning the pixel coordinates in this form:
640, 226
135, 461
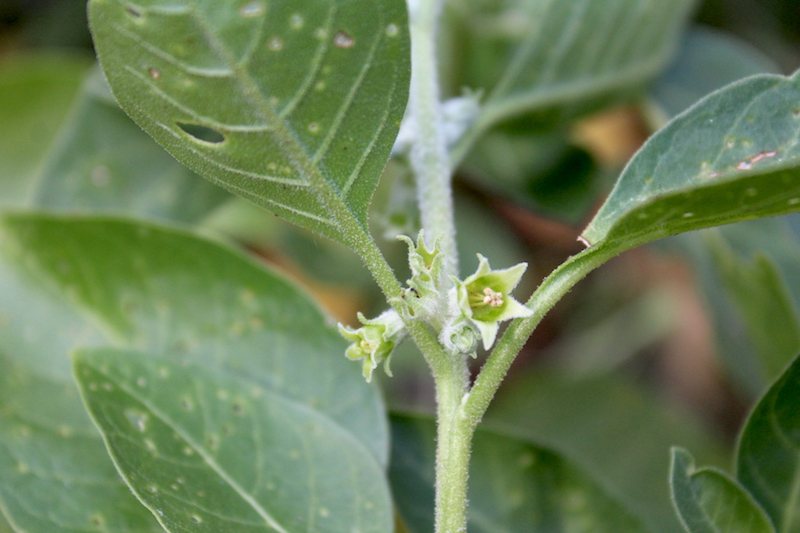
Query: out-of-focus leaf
480, 231
709, 501
733, 156
745, 357
557, 59
293, 106
195, 300
205, 451
104, 162
768, 454
539, 171
586, 419
128, 278
35, 96
515, 486
706, 61
55, 474
760, 294
595, 347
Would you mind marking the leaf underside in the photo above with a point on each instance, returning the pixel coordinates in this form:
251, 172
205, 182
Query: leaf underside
292, 106
733, 156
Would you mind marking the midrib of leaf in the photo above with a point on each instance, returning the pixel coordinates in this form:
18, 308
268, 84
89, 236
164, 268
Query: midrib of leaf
263, 513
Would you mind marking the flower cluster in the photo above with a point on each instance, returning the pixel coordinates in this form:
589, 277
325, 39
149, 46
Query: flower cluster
465, 314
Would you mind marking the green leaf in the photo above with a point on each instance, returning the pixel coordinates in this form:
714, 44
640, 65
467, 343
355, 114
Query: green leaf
515, 486
36, 91
207, 451
709, 501
759, 292
558, 59
104, 162
55, 474
707, 60
188, 298
733, 156
294, 106
172, 294
586, 419
767, 458
735, 335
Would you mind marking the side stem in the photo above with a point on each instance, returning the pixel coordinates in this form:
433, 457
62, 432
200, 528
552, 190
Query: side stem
552, 289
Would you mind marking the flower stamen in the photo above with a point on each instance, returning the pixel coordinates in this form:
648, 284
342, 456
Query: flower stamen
493, 298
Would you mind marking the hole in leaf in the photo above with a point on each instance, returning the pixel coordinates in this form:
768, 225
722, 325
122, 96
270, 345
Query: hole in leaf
133, 12
202, 133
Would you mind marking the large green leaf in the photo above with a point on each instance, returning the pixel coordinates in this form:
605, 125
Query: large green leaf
210, 452
55, 475
557, 58
515, 486
733, 156
35, 95
104, 162
709, 501
188, 298
587, 419
173, 295
292, 105
768, 455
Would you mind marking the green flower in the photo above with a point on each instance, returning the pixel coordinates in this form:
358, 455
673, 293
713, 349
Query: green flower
424, 298
374, 341
484, 298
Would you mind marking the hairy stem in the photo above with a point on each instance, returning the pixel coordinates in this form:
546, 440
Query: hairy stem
429, 156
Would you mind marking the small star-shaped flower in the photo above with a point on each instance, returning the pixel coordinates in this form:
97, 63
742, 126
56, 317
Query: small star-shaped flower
484, 298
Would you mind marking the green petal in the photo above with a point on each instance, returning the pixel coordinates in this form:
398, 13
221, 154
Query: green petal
488, 332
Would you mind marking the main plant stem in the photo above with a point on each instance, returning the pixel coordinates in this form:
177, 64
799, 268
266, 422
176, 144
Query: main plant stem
430, 162
429, 155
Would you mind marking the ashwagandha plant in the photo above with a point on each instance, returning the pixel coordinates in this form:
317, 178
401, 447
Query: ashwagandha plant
222, 393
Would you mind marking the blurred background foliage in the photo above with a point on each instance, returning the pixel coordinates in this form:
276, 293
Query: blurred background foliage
666, 345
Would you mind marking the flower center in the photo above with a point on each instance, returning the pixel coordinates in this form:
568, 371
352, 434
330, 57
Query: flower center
367, 346
488, 297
